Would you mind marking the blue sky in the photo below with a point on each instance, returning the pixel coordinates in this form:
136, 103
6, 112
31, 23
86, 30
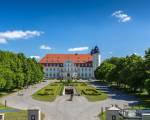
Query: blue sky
38, 27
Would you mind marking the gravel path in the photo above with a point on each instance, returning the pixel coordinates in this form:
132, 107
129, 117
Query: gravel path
62, 108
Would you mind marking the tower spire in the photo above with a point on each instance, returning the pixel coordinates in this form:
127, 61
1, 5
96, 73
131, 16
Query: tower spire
95, 50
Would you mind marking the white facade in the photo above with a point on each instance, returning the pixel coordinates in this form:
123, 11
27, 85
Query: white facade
70, 69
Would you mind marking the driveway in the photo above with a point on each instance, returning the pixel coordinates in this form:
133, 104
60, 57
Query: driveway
62, 108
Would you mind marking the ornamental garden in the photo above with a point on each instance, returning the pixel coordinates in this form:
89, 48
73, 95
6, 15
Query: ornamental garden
53, 90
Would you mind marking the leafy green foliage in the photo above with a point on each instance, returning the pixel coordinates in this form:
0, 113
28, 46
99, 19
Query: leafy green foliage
147, 85
17, 71
128, 72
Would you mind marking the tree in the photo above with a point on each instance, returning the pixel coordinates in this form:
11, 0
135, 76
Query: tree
2, 83
136, 72
102, 71
17, 70
147, 63
147, 85
114, 74
9, 85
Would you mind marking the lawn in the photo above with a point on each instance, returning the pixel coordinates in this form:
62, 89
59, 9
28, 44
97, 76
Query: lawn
21, 115
102, 116
144, 99
2, 93
49, 93
2, 107
91, 93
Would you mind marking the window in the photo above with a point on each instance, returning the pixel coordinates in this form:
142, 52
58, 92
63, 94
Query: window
89, 75
82, 74
32, 117
113, 117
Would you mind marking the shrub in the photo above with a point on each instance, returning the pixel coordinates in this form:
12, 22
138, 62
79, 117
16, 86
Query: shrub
48, 89
83, 84
90, 92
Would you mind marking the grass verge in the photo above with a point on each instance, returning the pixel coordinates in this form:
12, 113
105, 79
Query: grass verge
48, 93
21, 115
91, 93
102, 116
143, 97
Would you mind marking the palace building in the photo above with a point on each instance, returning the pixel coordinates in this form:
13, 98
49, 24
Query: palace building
71, 66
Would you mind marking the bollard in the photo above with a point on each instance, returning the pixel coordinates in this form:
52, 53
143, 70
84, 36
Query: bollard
34, 114
102, 111
1, 116
5, 103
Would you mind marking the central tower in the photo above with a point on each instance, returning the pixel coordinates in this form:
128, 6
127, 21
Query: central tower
95, 52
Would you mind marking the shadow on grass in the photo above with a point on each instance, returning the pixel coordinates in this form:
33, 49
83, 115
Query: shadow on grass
141, 100
144, 101
115, 93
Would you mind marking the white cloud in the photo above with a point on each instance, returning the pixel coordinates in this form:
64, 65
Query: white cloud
3, 41
36, 57
17, 34
45, 47
122, 17
134, 53
78, 49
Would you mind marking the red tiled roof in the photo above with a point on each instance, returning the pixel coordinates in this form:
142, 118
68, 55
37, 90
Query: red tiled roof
61, 58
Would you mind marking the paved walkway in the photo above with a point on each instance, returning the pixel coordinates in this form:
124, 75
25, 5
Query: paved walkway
62, 109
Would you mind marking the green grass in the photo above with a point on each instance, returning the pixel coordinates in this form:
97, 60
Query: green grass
21, 115
48, 93
2, 107
91, 93
5, 93
144, 99
102, 116
2, 94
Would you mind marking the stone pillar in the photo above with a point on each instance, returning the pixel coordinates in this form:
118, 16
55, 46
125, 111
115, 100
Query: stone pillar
34, 114
112, 113
1, 116
146, 116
